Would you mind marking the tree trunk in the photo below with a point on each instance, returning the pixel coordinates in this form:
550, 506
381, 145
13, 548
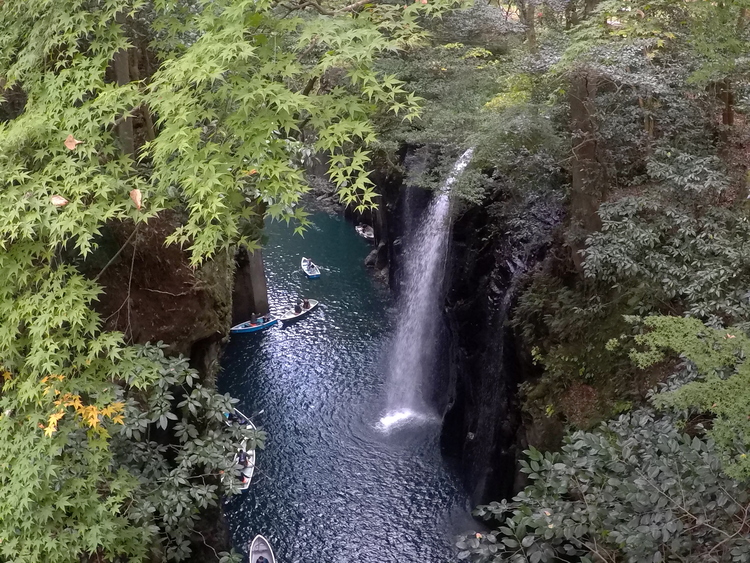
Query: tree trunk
122, 76
571, 16
529, 16
588, 173
728, 97
148, 123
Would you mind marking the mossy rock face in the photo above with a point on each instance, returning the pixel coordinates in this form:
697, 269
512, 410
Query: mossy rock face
151, 293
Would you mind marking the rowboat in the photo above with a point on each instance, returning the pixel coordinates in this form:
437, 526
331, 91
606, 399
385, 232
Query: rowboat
291, 315
258, 325
243, 458
310, 269
365, 231
246, 461
260, 551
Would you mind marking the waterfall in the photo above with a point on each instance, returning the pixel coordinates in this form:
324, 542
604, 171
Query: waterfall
411, 361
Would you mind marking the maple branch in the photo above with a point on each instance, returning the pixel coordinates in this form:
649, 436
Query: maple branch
108, 264
309, 86
167, 292
325, 11
355, 5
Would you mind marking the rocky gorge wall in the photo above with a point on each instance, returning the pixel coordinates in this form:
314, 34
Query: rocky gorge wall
493, 247
151, 294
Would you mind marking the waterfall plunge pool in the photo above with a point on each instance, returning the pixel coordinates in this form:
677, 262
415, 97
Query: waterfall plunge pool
332, 486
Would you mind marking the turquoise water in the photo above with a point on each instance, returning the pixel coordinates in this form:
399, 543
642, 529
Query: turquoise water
330, 486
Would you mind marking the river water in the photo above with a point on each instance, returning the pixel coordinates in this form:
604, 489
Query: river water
331, 486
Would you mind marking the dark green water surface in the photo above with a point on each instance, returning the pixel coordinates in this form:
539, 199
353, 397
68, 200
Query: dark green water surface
330, 487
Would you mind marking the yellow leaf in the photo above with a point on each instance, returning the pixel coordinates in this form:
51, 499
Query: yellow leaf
58, 201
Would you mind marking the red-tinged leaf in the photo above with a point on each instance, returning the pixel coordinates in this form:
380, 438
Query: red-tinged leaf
58, 201
71, 142
135, 195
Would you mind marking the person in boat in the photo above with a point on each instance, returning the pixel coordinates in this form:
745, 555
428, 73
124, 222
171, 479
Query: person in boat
297, 308
234, 417
253, 319
306, 304
266, 318
261, 559
242, 459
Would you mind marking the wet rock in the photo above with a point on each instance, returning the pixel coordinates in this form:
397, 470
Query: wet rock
381, 256
483, 426
250, 291
372, 258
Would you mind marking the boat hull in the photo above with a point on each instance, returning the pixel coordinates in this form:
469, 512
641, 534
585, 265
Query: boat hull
312, 273
366, 233
246, 327
260, 548
290, 316
248, 470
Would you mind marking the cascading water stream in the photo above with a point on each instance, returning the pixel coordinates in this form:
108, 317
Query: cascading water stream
412, 355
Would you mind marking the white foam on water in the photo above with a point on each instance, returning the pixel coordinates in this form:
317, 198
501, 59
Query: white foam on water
396, 419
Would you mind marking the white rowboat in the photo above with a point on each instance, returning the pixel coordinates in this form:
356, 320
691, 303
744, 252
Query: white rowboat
310, 269
260, 551
291, 315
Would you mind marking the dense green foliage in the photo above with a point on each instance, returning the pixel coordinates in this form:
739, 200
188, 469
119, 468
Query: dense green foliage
670, 198
113, 486
721, 387
478, 92
112, 113
637, 490
642, 106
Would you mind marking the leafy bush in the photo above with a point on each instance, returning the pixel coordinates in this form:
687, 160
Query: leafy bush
720, 386
636, 490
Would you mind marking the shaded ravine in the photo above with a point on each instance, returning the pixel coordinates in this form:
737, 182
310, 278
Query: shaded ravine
331, 487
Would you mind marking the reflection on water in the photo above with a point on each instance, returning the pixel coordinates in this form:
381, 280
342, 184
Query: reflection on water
332, 486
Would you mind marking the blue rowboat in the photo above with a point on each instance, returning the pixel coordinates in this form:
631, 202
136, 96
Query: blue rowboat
310, 269
247, 326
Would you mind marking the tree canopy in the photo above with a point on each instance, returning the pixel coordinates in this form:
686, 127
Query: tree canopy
641, 304
116, 112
